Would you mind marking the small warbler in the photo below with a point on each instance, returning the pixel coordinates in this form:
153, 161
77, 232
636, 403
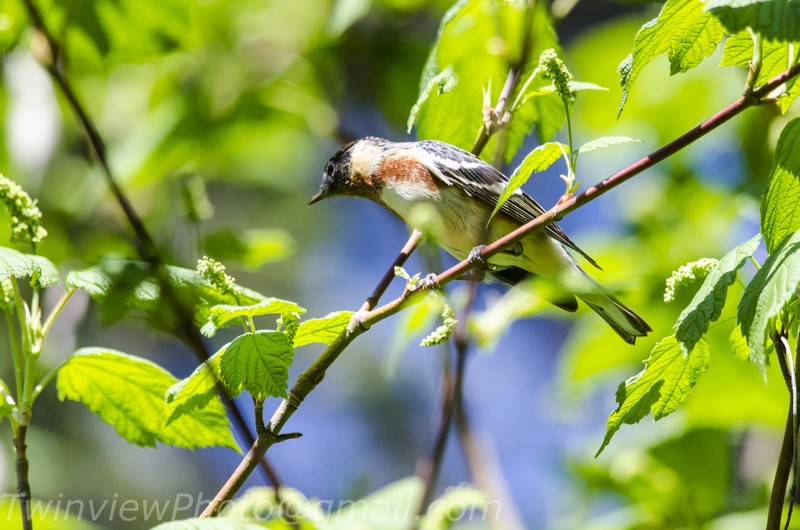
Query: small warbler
460, 191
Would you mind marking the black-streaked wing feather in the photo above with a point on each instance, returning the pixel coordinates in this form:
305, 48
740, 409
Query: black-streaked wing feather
486, 183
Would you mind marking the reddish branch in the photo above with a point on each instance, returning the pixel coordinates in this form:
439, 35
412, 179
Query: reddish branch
314, 374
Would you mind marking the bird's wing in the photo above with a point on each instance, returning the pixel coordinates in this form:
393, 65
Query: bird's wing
456, 167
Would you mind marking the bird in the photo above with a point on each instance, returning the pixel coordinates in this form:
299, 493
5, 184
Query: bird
459, 191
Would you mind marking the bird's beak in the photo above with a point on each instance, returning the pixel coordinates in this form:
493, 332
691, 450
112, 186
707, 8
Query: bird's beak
321, 194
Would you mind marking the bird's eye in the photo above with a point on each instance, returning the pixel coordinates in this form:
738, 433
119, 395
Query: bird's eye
329, 169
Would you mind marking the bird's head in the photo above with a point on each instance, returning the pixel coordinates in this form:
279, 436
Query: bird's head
351, 170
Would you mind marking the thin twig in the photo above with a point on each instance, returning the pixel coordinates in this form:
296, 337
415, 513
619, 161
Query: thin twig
144, 242
314, 374
23, 484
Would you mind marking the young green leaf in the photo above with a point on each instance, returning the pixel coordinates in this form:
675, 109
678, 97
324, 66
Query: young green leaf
776, 57
605, 141
662, 386
221, 315
14, 264
766, 294
780, 207
324, 330
451, 505
707, 304
260, 504
119, 285
258, 362
195, 391
387, 508
774, 20
683, 30
127, 392
461, 66
537, 161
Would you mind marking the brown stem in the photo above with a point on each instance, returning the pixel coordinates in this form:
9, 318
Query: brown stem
313, 375
23, 484
144, 242
778, 496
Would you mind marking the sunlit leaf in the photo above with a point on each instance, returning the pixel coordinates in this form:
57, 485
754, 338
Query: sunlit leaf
682, 30
662, 386
780, 207
537, 161
605, 141
195, 391
15, 264
127, 392
707, 304
258, 362
222, 315
766, 294
774, 19
452, 504
387, 508
324, 330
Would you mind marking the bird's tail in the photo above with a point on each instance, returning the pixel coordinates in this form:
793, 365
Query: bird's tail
620, 317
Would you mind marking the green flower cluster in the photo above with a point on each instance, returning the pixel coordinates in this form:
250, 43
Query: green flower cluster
443, 332
688, 274
213, 272
26, 218
289, 322
555, 70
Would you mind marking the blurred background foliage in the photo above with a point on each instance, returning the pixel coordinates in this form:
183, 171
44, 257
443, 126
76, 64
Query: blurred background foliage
243, 101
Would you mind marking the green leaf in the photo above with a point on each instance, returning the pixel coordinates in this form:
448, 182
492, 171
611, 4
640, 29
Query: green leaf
774, 19
221, 315
766, 294
259, 362
451, 505
215, 523
127, 392
662, 386
776, 57
605, 141
387, 508
682, 30
197, 390
780, 207
324, 330
15, 264
537, 161
477, 41
120, 285
128, 30
259, 504
707, 304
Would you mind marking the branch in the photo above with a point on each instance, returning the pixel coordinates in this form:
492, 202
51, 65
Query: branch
49, 57
314, 374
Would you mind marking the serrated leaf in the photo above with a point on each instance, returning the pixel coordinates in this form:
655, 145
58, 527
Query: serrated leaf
15, 264
766, 294
258, 362
221, 315
195, 391
776, 56
537, 161
324, 330
662, 386
682, 30
477, 41
780, 207
127, 392
774, 19
707, 304
605, 141
387, 508
120, 285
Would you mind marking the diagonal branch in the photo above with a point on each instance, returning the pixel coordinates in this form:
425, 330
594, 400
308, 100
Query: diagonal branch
314, 374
